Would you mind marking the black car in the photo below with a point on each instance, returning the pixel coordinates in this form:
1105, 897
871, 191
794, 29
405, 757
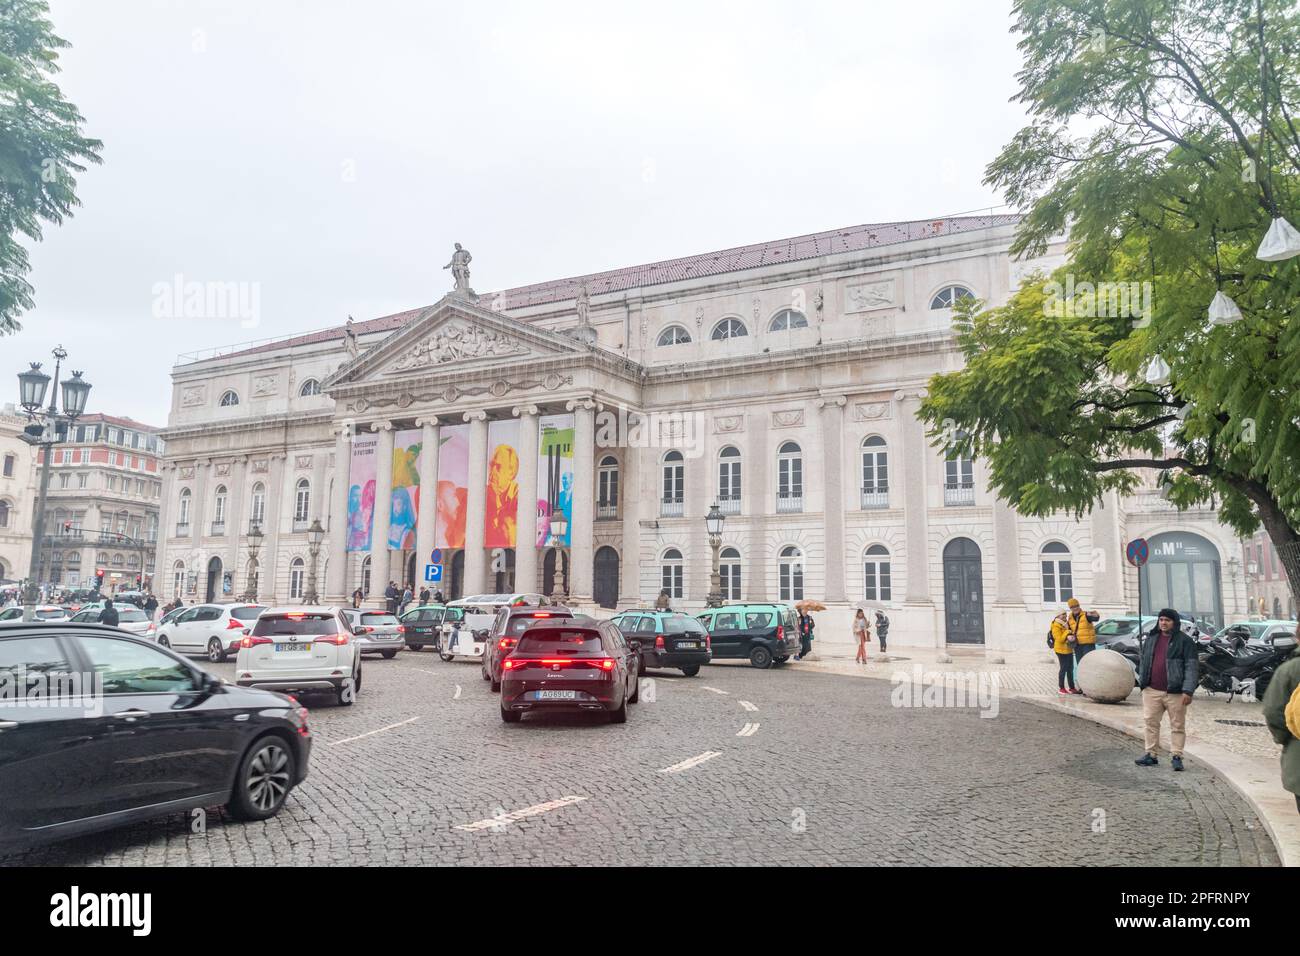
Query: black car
666, 639
510, 622
100, 729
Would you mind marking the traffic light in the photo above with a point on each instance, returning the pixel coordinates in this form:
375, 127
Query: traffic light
138, 580
99, 577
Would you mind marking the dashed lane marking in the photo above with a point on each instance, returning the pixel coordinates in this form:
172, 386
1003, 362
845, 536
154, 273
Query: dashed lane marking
456, 696
517, 815
715, 690
747, 731
371, 733
748, 706
692, 762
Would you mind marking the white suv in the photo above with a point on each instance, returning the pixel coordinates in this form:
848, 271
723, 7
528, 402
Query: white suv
129, 618
301, 649
211, 629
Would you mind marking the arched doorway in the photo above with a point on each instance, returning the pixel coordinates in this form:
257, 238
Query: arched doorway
605, 575
1182, 572
963, 592
412, 578
550, 585
503, 578
457, 584
214, 579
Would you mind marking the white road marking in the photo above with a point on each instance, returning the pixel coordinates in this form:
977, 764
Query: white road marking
693, 762
456, 696
425, 670
748, 706
747, 731
520, 814
715, 690
400, 723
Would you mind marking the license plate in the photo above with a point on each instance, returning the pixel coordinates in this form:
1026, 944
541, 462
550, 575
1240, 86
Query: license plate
293, 647
687, 645
557, 695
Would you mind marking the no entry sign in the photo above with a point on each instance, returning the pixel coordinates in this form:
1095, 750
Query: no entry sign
1137, 552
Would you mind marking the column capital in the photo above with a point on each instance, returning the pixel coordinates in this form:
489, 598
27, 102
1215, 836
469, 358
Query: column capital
203, 462
586, 404
521, 410
915, 393
344, 429
381, 426
478, 415
433, 420
832, 401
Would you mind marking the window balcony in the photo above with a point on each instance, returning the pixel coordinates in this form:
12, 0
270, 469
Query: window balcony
301, 524
875, 497
606, 511
789, 504
182, 529
959, 495
729, 504
218, 528
672, 508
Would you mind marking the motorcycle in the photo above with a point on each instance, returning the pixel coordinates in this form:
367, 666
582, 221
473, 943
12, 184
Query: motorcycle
1232, 665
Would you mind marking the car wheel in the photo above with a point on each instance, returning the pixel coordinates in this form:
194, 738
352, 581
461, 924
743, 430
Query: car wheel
636, 691
692, 670
619, 716
511, 716
444, 655
265, 776
760, 657
414, 647
216, 653
162, 642
496, 687
389, 655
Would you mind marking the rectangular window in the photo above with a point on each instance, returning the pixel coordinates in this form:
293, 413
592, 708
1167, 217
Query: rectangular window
85, 456
9, 465
63, 480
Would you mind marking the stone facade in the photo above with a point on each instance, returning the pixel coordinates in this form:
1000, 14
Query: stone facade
17, 496
802, 360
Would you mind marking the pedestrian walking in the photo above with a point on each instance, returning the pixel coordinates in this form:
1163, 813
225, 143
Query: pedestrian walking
806, 626
882, 628
391, 596
1058, 639
424, 596
407, 598
1282, 714
108, 615
1167, 675
150, 604
862, 634
357, 598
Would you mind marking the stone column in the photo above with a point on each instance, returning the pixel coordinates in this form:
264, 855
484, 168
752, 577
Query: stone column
581, 572
759, 502
380, 570
163, 553
426, 517
268, 560
1006, 540
201, 509
526, 538
236, 524
916, 452
632, 500
336, 574
833, 493
476, 504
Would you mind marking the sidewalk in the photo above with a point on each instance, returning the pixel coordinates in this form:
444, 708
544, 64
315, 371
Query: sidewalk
1244, 754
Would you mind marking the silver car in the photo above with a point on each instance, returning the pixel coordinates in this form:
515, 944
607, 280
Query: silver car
376, 632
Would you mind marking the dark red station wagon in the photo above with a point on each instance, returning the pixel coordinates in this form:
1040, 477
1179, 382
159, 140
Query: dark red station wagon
578, 663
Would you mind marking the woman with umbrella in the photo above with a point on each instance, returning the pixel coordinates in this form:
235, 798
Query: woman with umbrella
806, 625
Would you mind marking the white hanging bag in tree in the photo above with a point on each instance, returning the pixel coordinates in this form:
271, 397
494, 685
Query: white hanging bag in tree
1156, 371
1280, 242
1223, 311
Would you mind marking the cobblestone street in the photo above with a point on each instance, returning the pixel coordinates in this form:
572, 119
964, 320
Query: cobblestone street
735, 766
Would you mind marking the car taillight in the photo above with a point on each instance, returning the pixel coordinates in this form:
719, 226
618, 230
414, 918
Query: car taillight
607, 663
506, 643
659, 642
708, 641
298, 717
248, 640
234, 624
340, 639
780, 632
401, 629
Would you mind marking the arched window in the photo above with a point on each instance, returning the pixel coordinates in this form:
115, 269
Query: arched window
74, 558
729, 573
788, 319
133, 561
948, 296
102, 558
729, 480
959, 477
671, 573
365, 575
875, 569
875, 472
257, 512
302, 501
674, 485
789, 478
183, 515
219, 507
607, 488
729, 329
4, 514
309, 387
178, 578
296, 579
229, 399
673, 335
118, 560
1058, 579
790, 572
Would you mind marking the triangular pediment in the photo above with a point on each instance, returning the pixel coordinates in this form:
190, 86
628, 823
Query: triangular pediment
453, 335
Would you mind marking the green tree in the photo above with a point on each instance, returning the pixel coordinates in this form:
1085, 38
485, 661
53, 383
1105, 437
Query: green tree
1163, 138
41, 146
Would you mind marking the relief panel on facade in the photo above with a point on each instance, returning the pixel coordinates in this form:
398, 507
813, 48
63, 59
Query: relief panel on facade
865, 296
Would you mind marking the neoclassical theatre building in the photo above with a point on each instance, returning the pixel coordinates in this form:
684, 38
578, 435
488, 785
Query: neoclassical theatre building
779, 380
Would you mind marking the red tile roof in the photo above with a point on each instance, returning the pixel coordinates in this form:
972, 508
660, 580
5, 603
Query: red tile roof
737, 259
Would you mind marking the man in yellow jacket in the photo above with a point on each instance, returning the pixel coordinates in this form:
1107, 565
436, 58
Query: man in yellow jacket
1064, 651
1080, 625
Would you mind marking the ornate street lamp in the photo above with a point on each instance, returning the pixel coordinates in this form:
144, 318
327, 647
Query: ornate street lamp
315, 535
48, 427
713, 522
255, 537
559, 528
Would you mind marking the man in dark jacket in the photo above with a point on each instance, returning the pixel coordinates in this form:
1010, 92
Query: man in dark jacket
1284, 683
108, 615
392, 595
1167, 676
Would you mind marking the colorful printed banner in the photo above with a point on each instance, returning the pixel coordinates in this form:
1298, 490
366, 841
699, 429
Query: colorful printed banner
501, 503
554, 475
453, 486
406, 489
361, 492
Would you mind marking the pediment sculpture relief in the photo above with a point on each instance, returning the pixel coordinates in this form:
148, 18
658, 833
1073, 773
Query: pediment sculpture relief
453, 343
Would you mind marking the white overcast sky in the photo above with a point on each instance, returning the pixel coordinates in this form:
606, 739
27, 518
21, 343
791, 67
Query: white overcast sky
331, 152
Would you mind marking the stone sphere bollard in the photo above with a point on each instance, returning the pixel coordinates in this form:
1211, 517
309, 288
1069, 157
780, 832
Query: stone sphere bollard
1106, 676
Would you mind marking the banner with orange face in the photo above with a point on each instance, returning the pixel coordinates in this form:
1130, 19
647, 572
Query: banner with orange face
501, 505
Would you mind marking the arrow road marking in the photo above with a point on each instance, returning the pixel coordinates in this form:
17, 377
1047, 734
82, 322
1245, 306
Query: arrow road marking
747, 731
693, 762
715, 690
518, 815
456, 696
400, 723
748, 706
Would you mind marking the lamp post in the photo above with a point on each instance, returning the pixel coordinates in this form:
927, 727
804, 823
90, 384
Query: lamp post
315, 535
713, 522
47, 427
559, 528
255, 537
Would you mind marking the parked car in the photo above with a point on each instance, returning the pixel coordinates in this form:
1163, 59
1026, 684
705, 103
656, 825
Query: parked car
44, 612
509, 624
763, 633
307, 649
70, 770
1122, 634
129, 618
575, 663
376, 632
666, 639
423, 626
211, 629
1260, 632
